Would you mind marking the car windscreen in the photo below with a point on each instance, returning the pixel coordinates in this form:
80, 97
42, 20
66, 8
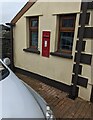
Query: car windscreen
4, 72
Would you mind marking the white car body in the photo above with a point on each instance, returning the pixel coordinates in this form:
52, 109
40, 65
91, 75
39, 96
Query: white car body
18, 100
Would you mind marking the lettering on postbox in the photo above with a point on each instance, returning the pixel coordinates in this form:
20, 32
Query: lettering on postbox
45, 43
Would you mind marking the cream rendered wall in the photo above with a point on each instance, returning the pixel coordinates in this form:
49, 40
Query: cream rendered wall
59, 69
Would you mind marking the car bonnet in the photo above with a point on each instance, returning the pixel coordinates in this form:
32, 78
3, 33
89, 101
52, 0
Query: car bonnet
17, 101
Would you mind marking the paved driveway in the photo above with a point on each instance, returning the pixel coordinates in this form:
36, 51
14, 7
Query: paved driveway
62, 106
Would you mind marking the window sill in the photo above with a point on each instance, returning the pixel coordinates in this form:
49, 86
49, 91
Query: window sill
31, 50
63, 55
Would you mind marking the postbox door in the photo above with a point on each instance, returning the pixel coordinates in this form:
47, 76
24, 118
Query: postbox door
45, 43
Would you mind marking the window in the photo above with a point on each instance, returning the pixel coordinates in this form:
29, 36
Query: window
4, 72
66, 33
33, 29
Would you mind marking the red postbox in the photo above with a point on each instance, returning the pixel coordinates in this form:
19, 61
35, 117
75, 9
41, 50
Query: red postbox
46, 43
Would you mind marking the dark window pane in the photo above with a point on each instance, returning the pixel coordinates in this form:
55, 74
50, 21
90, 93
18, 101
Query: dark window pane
34, 39
66, 40
68, 22
34, 23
